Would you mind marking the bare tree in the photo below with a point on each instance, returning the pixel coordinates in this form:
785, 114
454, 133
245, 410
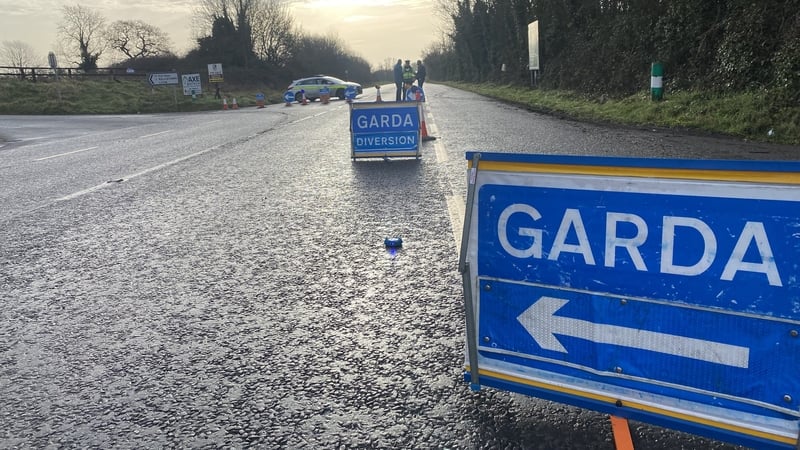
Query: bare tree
137, 39
206, 12
273, 29
18, 54
81, 31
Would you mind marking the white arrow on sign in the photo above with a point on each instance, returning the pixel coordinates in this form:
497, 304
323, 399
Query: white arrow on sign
543, 325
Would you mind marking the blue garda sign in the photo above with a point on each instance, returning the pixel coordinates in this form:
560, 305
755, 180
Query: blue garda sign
664, 291
384, 129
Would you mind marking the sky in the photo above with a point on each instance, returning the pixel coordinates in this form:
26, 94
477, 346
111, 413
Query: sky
376, 30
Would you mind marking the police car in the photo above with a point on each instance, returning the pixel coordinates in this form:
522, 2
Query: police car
312, 86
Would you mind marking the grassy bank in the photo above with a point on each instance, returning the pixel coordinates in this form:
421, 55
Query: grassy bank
113, 97
750, 116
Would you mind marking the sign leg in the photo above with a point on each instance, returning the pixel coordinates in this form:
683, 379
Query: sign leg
622, 433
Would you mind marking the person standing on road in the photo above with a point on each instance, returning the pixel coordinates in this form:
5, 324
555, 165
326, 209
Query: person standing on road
408, 76
398, 79
421, 73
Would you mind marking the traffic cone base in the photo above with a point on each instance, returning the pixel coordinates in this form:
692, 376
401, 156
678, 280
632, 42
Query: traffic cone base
422, 127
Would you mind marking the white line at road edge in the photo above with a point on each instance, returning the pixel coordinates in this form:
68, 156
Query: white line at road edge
455, 205
138, 174
65, 154
456, 209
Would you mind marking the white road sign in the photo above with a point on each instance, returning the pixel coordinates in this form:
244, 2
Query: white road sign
166, 78
191, 84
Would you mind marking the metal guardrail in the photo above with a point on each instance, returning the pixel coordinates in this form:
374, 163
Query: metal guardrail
47, 74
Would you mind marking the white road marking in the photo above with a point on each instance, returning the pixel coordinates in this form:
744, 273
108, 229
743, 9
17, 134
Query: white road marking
155, 134
65, 154
137, 174
455, 204
456, 210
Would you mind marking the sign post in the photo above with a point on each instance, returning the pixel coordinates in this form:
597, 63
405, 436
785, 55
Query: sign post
215, 77
51, 59
664, 291
215, 73
165, 79
384, 130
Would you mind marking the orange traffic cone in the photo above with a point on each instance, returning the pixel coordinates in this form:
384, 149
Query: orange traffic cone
422, 127
225, 104
305, 99
378, 98
234, 105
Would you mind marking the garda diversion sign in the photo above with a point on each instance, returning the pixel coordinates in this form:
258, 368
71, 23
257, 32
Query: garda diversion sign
385, 129
664, 291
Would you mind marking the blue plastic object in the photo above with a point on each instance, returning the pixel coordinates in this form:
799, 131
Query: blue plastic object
395, 242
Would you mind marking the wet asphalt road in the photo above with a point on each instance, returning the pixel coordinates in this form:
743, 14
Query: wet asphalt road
219, 280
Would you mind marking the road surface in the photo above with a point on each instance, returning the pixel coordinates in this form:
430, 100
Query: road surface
220, 280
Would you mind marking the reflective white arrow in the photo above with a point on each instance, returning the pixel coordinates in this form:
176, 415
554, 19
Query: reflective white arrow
543, 325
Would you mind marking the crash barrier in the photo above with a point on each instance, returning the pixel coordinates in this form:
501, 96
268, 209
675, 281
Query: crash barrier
663, 291
384, 130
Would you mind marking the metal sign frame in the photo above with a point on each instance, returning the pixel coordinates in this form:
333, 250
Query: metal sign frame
664, 291
385, 129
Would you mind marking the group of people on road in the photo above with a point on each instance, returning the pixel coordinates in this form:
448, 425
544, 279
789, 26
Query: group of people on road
404, 76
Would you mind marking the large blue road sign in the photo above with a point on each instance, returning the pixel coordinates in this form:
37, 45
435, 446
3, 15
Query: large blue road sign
667, 291
385, 129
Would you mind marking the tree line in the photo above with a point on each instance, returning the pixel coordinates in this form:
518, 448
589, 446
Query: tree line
607, 46
256, 41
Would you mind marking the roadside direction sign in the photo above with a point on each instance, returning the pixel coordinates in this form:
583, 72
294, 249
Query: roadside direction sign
665, 291
385, 129
165, 78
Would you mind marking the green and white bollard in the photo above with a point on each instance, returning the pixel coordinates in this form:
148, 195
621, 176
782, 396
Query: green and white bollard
656, 81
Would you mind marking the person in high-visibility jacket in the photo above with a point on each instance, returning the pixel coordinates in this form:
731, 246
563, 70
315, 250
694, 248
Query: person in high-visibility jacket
408, 77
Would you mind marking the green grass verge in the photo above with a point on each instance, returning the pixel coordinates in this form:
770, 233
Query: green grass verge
748, 115
113, 97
